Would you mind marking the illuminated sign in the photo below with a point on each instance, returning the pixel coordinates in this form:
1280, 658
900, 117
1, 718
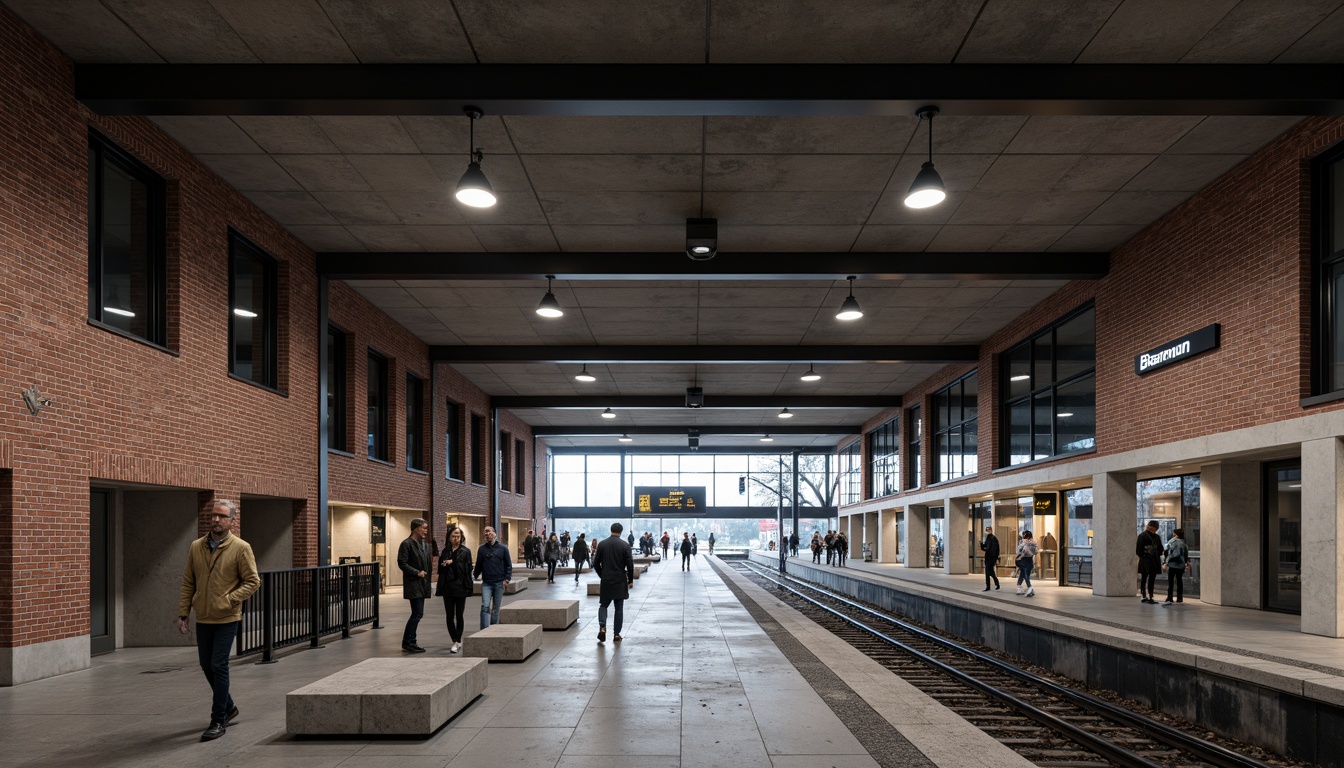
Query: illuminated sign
1187, 346
655, 500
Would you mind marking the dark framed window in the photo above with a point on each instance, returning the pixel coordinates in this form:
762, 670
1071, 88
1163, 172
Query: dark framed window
1327, 174
519, 467
337, 383
1049, 386
851, 475
415, 422
253, 331
505, 463
378, 406
127, 266
453, 450
477, 449
884, 459
914, 425
955, 433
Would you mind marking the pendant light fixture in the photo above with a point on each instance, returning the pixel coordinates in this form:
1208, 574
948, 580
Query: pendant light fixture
626, 439
549, 306
811, 374
928, 187
473, 188
608, 414
850, 309
785, 414
584, 375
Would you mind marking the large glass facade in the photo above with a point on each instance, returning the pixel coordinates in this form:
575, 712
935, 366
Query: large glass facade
1049, 391
955, 429
884, 459
1328, 251
851, 473
1173, 502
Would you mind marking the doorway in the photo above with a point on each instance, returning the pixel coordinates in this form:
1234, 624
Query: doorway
1283, 536
102, 607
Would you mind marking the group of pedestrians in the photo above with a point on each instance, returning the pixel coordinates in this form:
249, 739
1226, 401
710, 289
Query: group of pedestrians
835, 544
1155, 557
457, 571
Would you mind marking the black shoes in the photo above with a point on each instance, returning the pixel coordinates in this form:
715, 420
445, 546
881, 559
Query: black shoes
213, 732
601, 634
412, 648
233, 715
617, 638
986, 589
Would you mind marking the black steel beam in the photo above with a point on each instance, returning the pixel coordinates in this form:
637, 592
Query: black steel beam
712, 401
710, 354
726, 266
711, 89
704, 429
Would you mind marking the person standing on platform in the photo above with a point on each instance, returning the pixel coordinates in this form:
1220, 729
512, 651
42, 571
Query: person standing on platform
580, 555
685, 551
990, 546
1177, 554
711, 542
829, 543
695, 546
530, 542
1149, 550
616, 570
221, 573
816, 547
414, 559
455, 583
630, 539
551, 553
793, 544
667, 542
494, 567
841, 548
1026, 560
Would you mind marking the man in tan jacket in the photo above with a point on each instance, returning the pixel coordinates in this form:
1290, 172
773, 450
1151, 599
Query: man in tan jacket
221, 573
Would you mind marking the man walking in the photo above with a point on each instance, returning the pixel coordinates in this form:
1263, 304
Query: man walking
685, 551
616, 570
413, 558
221, 573
494, 567
666, 542
841, 548
990, 546
529, 549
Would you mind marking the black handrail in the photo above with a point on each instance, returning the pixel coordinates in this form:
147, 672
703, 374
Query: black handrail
307, 604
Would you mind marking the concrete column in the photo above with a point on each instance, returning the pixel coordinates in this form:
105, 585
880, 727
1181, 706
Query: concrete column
855, 534
886, 540
870, 529
916, 536
1322, 524
956, 549
1115, 528
1230, 569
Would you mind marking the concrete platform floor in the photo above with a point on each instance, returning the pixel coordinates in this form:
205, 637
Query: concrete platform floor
698, 681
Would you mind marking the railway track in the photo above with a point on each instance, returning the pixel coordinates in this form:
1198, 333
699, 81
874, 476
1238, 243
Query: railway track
1052, 725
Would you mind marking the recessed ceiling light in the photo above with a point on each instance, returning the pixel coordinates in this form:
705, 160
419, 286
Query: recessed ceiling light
584, 375
784, 414
767, 439
811, 374
626, 439
608, 414
549, 306
1020, 377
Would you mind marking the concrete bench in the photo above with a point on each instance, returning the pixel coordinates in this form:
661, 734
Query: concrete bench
550, 614
518, 584
503, 642
386, 696
595, 588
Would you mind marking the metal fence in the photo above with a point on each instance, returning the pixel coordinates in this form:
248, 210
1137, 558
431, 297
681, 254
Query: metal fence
306, 604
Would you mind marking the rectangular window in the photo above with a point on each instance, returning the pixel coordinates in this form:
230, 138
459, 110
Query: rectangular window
914, 424
884, 459
253, 334
1328, 258
1050, 391
415, 422
453, 450
127, 266
477, 438
336, 388
851, 476
505, 465
956, 429
519, 464
377, 406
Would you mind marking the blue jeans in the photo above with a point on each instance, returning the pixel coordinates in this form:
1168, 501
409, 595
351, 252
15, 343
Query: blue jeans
413, 623
1024, 572
492, 596
214, 642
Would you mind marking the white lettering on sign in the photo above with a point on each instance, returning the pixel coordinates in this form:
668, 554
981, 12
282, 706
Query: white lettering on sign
1147, 360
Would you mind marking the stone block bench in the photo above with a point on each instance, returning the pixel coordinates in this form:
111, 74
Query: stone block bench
550, 614
595, 588
503, 642
518, 584
386, 697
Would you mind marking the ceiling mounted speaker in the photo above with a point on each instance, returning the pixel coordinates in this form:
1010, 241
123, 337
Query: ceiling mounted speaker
695, 397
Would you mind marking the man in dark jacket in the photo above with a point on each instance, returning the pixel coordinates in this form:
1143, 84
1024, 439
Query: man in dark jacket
529, 549
616, 569
685, 550
793, 544
494, 567
413, 558
1149, 550
990, 546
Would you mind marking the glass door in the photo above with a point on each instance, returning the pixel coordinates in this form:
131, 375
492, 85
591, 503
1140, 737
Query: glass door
1077, 544
101, 607
937, 530
1283, 536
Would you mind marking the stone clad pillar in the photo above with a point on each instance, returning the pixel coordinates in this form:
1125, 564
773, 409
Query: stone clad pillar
1230, 568
1115, 529
855, 535
1322, 524
886, 541
956, 545
916, 542
870, 532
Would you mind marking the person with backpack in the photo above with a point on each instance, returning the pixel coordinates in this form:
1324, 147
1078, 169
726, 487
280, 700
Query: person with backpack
1026, 560
1177, 556
1149, 550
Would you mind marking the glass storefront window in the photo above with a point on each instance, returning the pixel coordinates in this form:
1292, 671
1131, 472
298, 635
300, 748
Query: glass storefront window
937, 532
1174, 503
1048, 405
955, 409
1283, 537
1078, 537
981, 515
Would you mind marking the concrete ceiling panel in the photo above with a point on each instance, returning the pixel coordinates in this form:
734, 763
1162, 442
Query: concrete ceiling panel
1034, 31
965, 136
1019, 173
184, 31
946, 298
779, 320
444, 238
285, 31
967, 238
1029, 238
400, 31
839, 30
1062, 208
1233, 134
1323, 43
513, 208
515, 238
505, 172
635, 173
606, 135
667, 237
1101, 135
357, 208
208, 135
359, 135
250, 172
796, 173
469, 322
892, 210
385, 238
605, 31
1257, 31
1152, 31
1182, 173
451, 135
1018, 298
786, 238
1134, 208
621, 208
807, 135
436, 298
1094, 238
327, 238
292, 207
910, 237
393, 172
86, 30
1102, 172
324, 173
387, 296
637, 295
416, 208
287, 135
763, 295
785, 208
989, 209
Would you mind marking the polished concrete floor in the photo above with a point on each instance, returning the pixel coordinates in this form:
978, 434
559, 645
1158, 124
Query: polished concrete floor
695, 682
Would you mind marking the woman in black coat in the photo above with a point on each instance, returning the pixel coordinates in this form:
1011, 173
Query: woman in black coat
455, 583
551, 553
580, 556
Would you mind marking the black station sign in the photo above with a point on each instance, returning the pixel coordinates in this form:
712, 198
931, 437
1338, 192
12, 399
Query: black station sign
1186, 347
656, 499
1046, 503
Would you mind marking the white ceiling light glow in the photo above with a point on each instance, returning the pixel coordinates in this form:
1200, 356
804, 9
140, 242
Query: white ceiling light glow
473, 188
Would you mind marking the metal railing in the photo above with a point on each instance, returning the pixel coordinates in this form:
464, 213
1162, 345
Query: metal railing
306, 604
